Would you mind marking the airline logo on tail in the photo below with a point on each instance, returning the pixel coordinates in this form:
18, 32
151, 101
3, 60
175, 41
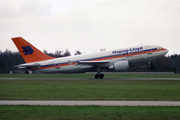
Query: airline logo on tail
27, 50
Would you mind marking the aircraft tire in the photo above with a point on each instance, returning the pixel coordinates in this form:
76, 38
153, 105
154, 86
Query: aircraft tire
101, 76
96, 76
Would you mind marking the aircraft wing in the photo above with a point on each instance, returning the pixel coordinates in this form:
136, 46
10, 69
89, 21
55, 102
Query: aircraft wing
28, 66
104, 63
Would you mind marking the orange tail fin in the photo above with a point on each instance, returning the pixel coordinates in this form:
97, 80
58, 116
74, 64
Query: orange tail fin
28, 51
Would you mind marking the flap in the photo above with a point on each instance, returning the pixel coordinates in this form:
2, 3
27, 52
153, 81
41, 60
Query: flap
94, 63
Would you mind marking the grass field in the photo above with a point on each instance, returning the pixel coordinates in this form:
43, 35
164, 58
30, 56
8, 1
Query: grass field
25, 89
91, 89
88, 113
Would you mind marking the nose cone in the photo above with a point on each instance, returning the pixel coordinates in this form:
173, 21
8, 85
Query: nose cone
165, 51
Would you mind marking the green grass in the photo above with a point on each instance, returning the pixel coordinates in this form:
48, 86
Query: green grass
89, 90
89, 75
88, 113
108, 89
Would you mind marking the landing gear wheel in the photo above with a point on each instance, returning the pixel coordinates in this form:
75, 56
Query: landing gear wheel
101, 76
96, 76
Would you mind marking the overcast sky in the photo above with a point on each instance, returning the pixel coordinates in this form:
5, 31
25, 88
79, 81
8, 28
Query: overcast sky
90, 25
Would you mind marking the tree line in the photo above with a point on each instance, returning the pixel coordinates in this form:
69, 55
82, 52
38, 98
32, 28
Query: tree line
9, 59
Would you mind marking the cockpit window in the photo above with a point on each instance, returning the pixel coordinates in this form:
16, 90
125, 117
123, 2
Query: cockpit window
160, 47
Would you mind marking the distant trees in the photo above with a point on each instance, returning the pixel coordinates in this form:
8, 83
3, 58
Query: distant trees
164, 64
77, 52
9, 59
58, 53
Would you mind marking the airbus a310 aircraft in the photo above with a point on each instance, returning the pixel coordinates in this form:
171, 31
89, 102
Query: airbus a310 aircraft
116, 60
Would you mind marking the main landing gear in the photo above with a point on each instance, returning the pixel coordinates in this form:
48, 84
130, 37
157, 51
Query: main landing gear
99, 75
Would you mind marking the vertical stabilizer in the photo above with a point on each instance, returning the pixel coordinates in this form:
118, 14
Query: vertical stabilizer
28, 51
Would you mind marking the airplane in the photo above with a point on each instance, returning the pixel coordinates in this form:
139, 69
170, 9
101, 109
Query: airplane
116, 60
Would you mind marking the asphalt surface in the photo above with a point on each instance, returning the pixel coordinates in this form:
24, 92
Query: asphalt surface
90, 79
89, 102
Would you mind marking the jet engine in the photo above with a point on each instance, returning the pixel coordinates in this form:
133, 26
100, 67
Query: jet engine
120, 65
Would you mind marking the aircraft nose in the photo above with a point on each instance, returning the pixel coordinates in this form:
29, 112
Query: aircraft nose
165, 51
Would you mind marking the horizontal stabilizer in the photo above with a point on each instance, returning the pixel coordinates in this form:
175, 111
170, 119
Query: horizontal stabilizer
28, 66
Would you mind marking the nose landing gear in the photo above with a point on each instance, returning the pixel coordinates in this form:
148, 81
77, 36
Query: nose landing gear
149, 66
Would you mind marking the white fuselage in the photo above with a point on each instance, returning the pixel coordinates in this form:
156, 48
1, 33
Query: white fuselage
70, 64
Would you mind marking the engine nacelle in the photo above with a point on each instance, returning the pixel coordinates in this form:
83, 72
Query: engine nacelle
121, 65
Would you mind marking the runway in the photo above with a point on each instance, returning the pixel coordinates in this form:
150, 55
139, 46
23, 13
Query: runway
89, 79
89, 102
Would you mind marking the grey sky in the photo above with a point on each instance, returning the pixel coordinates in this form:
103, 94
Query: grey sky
90, 25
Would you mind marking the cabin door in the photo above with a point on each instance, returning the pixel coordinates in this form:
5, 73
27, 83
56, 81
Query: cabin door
57, 64
149, 50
